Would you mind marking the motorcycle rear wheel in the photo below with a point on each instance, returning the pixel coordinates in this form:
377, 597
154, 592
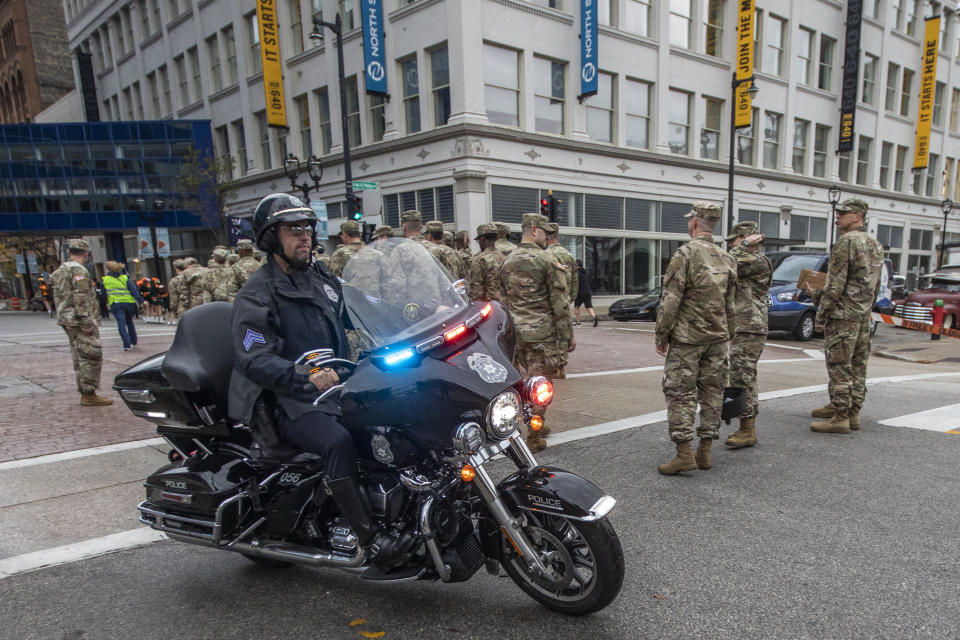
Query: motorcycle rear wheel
597, 564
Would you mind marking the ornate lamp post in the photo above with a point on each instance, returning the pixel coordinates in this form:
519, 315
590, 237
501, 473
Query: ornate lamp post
292, 166
946, 206
834, 199
753, 91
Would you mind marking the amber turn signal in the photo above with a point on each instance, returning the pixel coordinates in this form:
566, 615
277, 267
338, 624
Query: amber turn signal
536, 423
467, 473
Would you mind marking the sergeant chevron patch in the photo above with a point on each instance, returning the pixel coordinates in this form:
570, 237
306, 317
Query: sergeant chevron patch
251, 338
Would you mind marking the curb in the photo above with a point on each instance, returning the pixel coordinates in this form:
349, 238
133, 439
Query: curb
895, 356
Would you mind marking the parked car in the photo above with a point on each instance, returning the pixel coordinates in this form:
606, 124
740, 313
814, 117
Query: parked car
642, 307
943, 284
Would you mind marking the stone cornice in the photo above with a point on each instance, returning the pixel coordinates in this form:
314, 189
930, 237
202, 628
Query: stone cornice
632, 38
406, 10
543, 12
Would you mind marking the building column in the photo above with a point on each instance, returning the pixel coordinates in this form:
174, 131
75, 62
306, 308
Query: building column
470, 200
467, 103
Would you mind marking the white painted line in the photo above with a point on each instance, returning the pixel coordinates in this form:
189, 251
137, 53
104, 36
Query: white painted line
629, 329
79, 453
783, 346
941, 419
816, 354
78, 551
617, 372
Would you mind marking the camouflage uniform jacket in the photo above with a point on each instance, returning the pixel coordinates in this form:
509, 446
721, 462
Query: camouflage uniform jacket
467, 256
753, 281
220, 283
449, 258
408, 271
698, 294
505, 247
175, 291
343, 253
195, 293
853, 278
368, 271
484, 278
535, 292
560, 253
75, 296
244, 268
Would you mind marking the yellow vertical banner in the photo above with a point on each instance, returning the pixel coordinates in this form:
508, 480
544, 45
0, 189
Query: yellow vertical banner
744, 63
272, 66
928, 82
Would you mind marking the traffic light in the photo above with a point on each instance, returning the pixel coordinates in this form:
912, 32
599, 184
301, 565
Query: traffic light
357, 213
552, 208
544, 206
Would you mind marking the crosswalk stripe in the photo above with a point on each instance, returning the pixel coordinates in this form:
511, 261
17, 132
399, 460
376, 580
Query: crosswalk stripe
943, 419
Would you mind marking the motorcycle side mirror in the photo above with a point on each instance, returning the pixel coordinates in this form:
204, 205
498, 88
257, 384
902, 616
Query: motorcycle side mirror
462, 287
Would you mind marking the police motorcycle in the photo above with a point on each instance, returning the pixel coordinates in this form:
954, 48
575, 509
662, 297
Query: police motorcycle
432, 400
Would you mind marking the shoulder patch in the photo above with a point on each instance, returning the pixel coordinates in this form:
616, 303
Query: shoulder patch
251, 338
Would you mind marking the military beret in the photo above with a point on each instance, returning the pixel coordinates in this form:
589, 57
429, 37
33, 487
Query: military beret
553, 228
501, 227
78, 244
188, 261
350, 227
411, 215
433, 226
383, 232
220, 254
536, 220
704, 210
856, 205
178, 263
486, 229
244, 243
742, 229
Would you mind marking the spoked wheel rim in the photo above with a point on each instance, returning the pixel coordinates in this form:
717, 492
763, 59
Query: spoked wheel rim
807, 327
567, 555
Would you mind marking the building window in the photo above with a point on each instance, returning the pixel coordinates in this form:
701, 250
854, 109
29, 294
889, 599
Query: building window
948, 177
681, 20
870, 66
801, 129
154, 94
183, 80
501, 85
117, 28
230, 45
303, 118
600, 110
128, 25
194, 58
346, 14
296, 26
843, 165
773, 33
157, 19
821, 136
604, 13
955, 111
746, 141
893, 86
548, 95
886, 155
808, 228
900, 167
239, 134
411, 94
827, 47
636, 17
378, 118
805, 44
109, 48
905, 89
353, 112
871, 9
323, 101
222, 139
128, 103
213, 53
946, 20
440, 73
932, 172
767, 221
637, 113
714, 27
864, 148
256, 65
771, 139
165, 84
678, 132
710, 133
890, 236
264, 132
144, 19
910, 21
938, 104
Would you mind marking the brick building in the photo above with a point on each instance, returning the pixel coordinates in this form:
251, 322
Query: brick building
35, 65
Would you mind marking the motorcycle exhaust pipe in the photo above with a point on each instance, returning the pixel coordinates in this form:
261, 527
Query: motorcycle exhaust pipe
282, 551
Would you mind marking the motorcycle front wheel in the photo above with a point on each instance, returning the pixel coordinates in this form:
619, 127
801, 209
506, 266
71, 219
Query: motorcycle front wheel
585, 560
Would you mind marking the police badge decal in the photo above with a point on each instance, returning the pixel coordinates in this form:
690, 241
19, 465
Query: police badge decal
487, 368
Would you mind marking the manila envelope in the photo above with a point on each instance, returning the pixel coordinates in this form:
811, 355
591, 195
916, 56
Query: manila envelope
816, 279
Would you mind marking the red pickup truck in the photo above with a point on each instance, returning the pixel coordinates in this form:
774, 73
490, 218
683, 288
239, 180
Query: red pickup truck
943, 284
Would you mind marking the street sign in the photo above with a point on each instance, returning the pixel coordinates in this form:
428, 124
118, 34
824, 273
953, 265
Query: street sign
360, 185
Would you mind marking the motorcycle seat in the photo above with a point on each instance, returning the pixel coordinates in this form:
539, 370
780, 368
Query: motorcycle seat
284, 454
201, 356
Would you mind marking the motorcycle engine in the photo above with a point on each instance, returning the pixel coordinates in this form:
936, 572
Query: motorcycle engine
387, 495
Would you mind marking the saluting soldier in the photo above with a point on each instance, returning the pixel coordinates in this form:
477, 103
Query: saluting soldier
443, 254
504, 246
485, 283
350, 236
78, 312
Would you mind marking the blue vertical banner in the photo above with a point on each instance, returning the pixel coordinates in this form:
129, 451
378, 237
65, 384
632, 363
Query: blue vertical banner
588, 49
374, 56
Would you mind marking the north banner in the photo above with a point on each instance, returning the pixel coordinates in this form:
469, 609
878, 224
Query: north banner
743, 102
928, 83
588, 49
374, 56
271, 62
851, 75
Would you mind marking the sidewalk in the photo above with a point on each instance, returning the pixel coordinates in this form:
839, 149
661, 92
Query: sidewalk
923, 350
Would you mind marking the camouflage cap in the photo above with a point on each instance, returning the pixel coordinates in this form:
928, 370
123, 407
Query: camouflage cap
211, 262
704, 210
383, 232
350, 227
233, 258
536, 220
433, 226
189, 260
742, 229
220, 246
244, 243
553, 228
178, 263
501, 227
460, 233
856, 205
78, 244
486, 229
220, 254
411, 215
447, 235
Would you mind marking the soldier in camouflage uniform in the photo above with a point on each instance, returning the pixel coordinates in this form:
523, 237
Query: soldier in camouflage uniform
753, 281
350, 236
843, 314
443, 254
411, 224
463, 248
78, 312
448, 240
504, 246
485, 268
695, 320
406, 265
174, 288
247, 264
384, 231
220, 282
560, 254
535, 292
193, 280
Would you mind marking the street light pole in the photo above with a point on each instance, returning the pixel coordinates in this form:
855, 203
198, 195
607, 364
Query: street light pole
946, 206
753, 91
834, 196
293, 167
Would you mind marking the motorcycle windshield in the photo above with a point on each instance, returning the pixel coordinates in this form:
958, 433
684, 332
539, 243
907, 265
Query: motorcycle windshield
394, 290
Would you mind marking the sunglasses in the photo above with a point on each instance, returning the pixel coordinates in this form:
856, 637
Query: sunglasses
297, 229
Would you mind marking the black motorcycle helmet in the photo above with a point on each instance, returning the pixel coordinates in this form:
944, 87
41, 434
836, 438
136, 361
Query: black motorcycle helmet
274, 209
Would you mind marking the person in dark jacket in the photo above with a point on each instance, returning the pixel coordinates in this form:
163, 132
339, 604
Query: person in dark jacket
584, 295
286, 308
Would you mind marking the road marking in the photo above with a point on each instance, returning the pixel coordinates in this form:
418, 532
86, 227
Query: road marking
78, 551
617, 372
79, 453
943, 419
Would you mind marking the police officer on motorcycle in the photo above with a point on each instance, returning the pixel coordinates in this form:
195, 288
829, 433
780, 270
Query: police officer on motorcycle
286, 308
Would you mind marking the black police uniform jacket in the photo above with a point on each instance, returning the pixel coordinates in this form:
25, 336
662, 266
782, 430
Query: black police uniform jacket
276, 318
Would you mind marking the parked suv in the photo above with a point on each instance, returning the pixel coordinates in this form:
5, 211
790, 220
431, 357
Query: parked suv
943, 284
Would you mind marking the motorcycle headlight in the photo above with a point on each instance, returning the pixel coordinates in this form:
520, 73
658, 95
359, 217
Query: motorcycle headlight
504, 415
468, 437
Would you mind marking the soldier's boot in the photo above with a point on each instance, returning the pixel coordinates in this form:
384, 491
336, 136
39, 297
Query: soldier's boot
853, 417
93, 400
535, 441
702, 456
683, 461
745, 436
825, 411
838, 423
561, 373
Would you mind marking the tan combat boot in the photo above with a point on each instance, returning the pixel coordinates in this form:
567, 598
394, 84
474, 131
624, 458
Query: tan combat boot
682, 462
838, 423
825, 411
853, 417
535, 442
561, 373
702, 456
745, 436
93, 400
